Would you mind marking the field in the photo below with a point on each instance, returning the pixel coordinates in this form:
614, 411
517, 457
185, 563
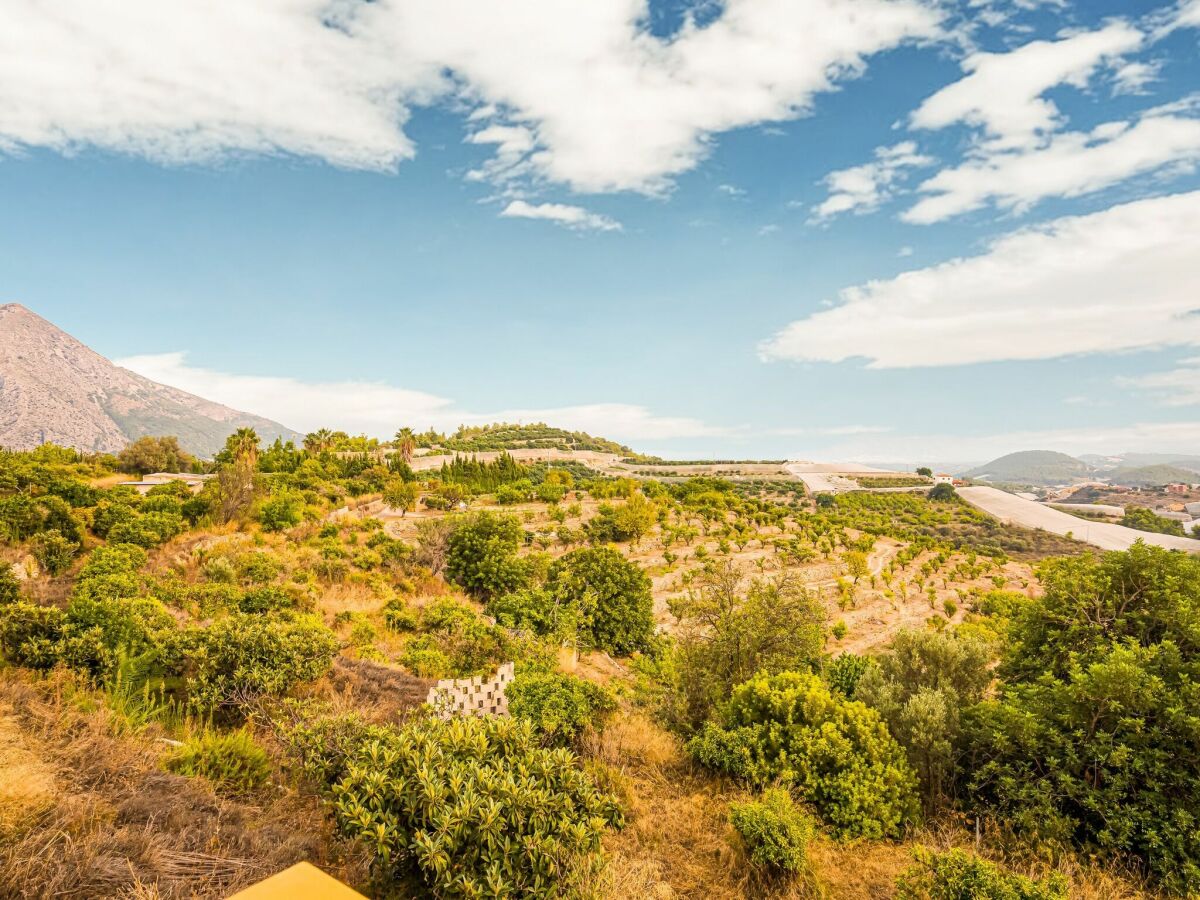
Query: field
175, 683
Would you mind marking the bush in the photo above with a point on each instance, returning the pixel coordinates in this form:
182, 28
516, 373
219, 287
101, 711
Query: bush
836, 753
231, 761
280, 512
559, 706
244, 656
538, 611
147, 530
470, 807
10, 587
731, 629
775, 831
399, 616
958, 875
843, 673
29, 634
53, 551
611, 596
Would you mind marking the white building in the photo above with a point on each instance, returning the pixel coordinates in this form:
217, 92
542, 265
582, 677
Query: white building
943, 478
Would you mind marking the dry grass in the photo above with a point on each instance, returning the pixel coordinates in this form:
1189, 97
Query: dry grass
101, 819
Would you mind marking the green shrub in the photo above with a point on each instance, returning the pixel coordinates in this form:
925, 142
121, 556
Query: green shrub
958, 875
29, 634
232, 761
425, 660
839, 629
536, 610
147, 530
471, 807
265, 599
243, 656
559, 706
280, 512
399, 616
844, 672
10, 587
836, 753
53, 551
611, 596
775, 831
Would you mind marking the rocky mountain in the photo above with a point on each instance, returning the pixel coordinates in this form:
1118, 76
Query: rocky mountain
54, 388
1032, 467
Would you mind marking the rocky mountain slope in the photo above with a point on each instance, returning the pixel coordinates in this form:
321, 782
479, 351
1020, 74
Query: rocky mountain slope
54, 388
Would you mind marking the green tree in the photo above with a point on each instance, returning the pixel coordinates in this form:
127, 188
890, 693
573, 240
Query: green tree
405, 444
920, 688
402, 495
730, 628
1093, 737
925, 471
481, 555
611, 595
943, 493
154, 454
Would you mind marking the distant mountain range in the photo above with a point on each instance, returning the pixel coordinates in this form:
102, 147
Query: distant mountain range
1048, 467
54, 388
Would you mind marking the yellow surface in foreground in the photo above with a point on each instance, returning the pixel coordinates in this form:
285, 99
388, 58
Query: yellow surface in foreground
302, 881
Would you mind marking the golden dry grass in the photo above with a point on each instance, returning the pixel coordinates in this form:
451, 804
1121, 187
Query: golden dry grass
104, 820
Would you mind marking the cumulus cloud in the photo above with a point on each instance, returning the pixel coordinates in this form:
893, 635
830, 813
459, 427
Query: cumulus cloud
1176, 387
1069, 165
861, 189
1003, 92
575, 217
1121, 279
580, 94
377, 409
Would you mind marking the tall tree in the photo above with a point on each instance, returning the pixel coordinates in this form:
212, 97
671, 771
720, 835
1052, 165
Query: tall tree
406, 443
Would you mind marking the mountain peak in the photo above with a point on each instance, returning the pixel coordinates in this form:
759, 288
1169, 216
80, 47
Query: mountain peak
55, 388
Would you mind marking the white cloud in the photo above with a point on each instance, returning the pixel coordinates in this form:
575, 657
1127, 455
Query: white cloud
731, 190
1177, 387
1122, 279
904, 251
1003, 92
1134, 77
1070, 165
575, 217
378, 409
861, 189
580, 94
1188, 15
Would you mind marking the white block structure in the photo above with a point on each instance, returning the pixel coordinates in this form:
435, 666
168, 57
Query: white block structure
478, 696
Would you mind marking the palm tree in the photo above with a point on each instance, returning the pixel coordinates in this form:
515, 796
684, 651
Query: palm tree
318, 441
406, 444
243, 445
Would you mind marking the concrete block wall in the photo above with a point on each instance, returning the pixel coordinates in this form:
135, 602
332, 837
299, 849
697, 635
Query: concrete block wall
478, 696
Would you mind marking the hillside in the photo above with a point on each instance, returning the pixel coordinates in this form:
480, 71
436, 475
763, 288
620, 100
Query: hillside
503, 436
54, 388
1032, 467
1151, 476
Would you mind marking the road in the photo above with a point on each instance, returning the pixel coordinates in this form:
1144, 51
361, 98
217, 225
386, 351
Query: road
1010, 508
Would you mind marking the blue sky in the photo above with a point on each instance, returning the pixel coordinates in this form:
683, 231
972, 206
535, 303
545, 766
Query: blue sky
880, 229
